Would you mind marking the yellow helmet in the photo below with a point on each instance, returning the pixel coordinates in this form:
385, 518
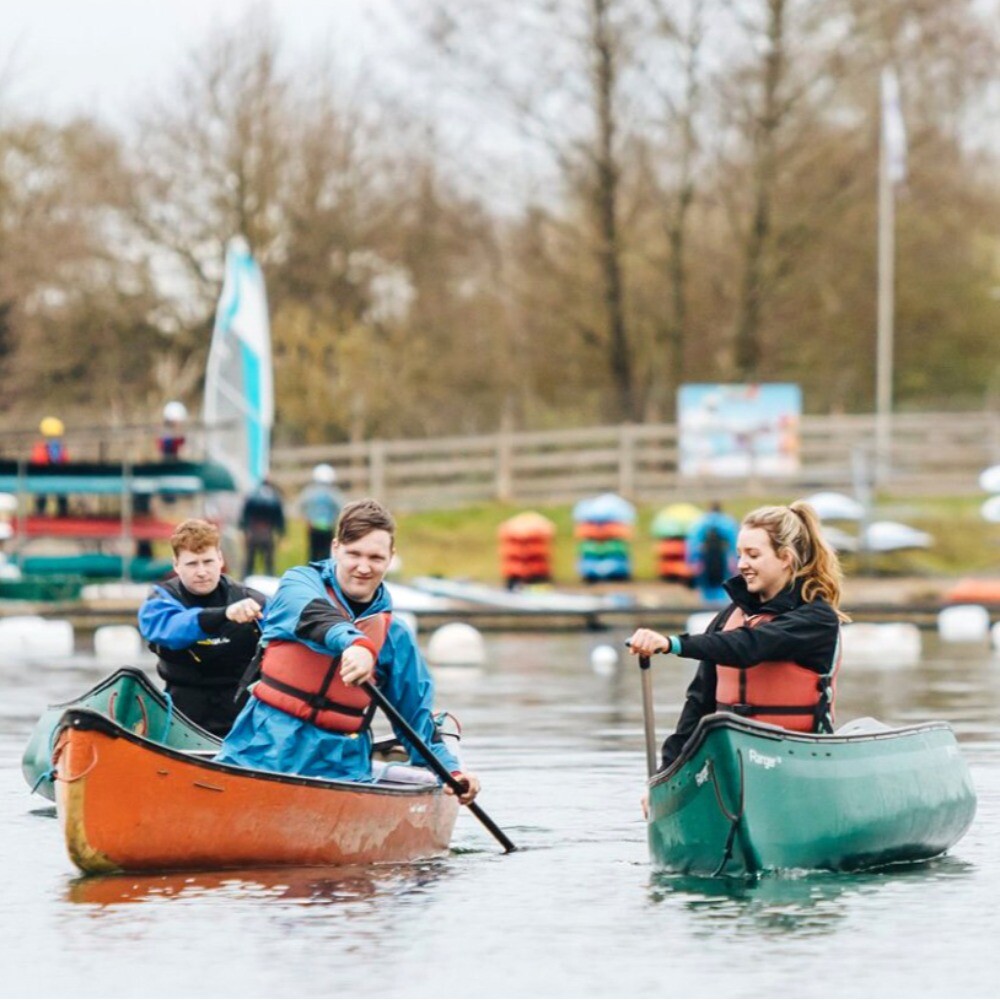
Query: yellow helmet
52, 427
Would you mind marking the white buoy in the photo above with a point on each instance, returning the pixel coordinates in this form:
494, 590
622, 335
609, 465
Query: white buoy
888, 645
699, 621
964, 623
409, 619
117, 643
267, 585
456, 644
8, 503
604, 660
31, 637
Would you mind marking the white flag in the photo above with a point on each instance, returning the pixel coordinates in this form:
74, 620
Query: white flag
893, 128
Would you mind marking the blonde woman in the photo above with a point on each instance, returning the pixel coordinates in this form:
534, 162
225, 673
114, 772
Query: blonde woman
772, 654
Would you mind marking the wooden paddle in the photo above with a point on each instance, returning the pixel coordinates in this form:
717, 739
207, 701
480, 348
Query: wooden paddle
647, 715
435, 765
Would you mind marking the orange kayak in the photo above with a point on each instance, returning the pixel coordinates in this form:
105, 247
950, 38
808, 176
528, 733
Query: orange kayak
128, 804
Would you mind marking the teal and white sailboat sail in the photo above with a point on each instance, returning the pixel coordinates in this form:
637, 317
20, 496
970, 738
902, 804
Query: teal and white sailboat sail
239, 383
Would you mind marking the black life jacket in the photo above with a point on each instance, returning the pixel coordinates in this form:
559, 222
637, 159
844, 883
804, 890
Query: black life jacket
220, 659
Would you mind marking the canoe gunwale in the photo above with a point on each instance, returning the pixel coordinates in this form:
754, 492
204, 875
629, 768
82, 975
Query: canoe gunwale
728, 720
86, 719
148, 687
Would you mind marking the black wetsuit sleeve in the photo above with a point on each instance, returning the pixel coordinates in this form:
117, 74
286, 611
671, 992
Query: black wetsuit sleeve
316, 620
212, 620
806, 635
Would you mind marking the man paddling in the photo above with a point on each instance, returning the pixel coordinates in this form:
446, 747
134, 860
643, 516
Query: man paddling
329, 633
202, 625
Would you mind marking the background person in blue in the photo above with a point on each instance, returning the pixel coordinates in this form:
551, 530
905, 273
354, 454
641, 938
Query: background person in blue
320, 504
329, 628
712, 553
202, 625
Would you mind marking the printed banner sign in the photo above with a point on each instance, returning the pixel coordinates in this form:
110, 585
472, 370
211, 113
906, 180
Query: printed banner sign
739, 430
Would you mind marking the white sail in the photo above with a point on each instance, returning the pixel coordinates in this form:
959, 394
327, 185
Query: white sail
239, 383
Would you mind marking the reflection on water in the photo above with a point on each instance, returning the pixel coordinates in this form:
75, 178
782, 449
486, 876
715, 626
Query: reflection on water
306, 885
802, 903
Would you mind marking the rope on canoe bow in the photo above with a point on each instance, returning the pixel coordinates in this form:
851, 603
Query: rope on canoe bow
49, 775
76, 777
733, 817
170, 715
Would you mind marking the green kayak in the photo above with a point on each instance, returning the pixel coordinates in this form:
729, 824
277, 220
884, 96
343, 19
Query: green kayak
745, 798
131, 699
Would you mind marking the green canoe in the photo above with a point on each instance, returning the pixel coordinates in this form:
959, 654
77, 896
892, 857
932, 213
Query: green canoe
131, 699
745, 798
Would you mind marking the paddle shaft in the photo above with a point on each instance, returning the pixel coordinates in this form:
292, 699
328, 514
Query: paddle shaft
435, 765
647, 714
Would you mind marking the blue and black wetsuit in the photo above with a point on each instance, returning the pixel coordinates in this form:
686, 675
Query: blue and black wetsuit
201, 653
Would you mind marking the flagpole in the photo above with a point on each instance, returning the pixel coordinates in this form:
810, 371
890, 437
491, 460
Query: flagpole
891, 170
886, 309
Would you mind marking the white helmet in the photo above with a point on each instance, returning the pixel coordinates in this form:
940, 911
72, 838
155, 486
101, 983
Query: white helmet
324, 473
175, 412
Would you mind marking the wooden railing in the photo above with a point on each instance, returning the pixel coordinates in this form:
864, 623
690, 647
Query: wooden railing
932, 454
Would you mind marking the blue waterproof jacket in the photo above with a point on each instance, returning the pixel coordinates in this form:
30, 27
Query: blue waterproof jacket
269, 739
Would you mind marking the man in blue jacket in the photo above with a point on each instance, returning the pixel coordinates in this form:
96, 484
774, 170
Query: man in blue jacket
330, 628
202, 625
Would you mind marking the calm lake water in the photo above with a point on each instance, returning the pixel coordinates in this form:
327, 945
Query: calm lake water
576, 913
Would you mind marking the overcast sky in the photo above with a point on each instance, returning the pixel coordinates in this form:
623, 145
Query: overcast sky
59, 57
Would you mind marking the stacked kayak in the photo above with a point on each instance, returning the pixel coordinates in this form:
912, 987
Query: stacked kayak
745, 798
603, 529
671, 528
525, 546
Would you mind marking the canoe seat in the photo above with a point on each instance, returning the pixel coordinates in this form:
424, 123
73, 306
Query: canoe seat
866, 724
401, 774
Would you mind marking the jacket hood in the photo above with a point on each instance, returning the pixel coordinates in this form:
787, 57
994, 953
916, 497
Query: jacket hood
751, 604
327, 569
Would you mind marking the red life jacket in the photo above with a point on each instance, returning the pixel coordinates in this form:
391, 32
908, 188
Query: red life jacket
308, 685
48, 453
783, 693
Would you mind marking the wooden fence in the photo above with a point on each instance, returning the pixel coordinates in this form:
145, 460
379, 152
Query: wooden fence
932, 454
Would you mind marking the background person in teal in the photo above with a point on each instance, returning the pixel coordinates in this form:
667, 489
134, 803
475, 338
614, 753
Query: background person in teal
329, 629
320, 504
712, 553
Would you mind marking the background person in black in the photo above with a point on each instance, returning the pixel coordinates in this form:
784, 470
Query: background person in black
263, 519
202, 625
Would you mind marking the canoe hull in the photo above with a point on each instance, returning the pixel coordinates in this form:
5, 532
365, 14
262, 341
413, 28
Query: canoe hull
746, 798
129, 698
126, 804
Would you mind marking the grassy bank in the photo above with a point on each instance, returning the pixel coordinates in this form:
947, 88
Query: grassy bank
463, 543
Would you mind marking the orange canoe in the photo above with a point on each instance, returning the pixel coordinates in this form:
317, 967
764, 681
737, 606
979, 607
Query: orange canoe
128, 804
